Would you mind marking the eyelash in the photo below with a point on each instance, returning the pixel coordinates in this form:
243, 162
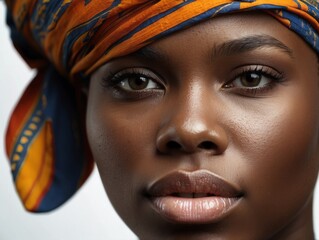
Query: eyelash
112, 80
273, 75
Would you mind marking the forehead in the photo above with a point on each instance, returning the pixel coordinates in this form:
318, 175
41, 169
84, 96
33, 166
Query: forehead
230, 27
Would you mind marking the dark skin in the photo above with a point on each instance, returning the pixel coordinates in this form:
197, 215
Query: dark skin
208, 99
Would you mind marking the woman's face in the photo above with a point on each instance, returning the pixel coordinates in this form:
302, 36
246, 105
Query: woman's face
211, 133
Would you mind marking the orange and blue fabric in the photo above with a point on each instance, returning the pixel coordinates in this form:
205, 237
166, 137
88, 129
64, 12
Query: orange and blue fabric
67, 40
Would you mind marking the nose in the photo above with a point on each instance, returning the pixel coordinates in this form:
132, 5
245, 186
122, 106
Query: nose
192, 128
190, 139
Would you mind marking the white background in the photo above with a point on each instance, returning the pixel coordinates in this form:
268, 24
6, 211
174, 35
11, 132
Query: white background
89, 214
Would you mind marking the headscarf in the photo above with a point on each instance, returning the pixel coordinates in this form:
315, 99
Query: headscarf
67, 40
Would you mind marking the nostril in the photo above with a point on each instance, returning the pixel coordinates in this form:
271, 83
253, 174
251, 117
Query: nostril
208, 145
173, 145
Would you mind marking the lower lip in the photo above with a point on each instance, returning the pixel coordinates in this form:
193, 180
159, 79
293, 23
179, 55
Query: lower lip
193, 210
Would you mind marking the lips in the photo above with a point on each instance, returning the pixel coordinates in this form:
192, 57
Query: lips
193, 197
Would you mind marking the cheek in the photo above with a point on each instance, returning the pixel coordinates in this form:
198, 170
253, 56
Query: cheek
122, 144
111, 139
110, 154
278, 145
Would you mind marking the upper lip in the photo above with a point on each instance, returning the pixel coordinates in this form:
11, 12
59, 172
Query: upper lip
196, 182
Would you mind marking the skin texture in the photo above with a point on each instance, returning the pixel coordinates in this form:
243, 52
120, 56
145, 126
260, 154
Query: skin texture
262, 138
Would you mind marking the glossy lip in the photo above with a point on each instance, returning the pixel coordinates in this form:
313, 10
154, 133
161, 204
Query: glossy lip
193, 197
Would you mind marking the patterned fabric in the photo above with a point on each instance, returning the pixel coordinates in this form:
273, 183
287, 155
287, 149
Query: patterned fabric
66, 40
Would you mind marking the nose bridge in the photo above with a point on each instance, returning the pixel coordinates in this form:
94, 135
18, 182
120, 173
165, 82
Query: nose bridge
189, 108
193, 123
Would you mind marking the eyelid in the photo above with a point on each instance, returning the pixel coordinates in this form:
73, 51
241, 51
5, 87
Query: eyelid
238, 71
265, 70
114, 78
274, 76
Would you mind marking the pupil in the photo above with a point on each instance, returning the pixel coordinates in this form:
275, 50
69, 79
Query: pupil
138, 83
251, 79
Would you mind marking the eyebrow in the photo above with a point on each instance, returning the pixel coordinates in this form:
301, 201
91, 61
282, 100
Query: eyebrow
232, 47
250, 43
150, 54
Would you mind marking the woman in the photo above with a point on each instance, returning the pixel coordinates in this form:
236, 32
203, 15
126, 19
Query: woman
202, 124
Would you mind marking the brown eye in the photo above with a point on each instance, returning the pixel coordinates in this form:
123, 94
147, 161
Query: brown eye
251, 79
136, 82
254, 80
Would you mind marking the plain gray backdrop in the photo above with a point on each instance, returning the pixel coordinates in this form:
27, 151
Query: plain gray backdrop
89, 214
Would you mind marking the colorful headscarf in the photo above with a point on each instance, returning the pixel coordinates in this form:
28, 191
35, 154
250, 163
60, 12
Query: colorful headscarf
66, 40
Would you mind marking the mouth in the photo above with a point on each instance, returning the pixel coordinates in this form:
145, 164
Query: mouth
193, 197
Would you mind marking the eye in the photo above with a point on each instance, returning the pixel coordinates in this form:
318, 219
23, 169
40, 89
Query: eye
134, 84
137, 82
251, 80
254, 80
